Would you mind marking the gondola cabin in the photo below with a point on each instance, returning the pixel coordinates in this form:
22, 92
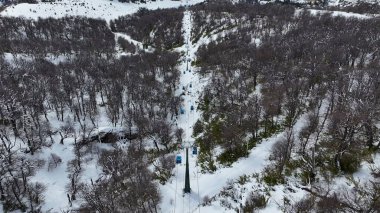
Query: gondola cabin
195, 150
192, 108
182, 110
178, 159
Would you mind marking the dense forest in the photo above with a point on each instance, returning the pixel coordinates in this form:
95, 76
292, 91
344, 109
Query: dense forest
271, 69
163, 33
67, 70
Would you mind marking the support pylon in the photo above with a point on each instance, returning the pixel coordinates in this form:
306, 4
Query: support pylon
187, 188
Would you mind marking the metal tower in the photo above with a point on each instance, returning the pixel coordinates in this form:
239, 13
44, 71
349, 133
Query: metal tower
187, 188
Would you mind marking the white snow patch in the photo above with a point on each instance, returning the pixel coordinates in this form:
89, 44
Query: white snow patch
103, 9
341, 14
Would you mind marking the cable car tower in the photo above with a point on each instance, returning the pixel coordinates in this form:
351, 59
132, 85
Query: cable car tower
187, 188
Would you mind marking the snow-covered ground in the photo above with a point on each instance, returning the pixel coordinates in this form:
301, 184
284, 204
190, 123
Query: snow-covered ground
191, 84
209, 185
364, 173
138, 44
329, 2
342, 14
349, 2
56, 179
104, 9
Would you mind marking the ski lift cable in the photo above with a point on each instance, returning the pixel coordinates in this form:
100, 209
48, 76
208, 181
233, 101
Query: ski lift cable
183, 202
199, 195
175, 192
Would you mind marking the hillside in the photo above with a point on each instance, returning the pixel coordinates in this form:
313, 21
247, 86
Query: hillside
276, 106
103, 9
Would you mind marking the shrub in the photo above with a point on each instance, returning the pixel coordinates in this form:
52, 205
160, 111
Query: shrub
198, 128
54, 161
325, 204
126, 46
349, 163
253, 142
243, 179
164, 169
230, 191
255, 201
206, 161
307, 177
206, 201
270, 129
229, 156
272, 177
304, 205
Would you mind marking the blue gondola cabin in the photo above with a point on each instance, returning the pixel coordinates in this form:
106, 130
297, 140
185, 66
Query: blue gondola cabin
178, 159
195, 150
182, 110
192, 108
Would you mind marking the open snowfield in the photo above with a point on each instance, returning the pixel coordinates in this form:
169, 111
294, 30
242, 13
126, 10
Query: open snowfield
104, 9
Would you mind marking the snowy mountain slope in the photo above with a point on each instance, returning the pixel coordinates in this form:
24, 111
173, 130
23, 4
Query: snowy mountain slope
209, 185
327, 2
203, 185
104, 9
108, 10
212, 185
